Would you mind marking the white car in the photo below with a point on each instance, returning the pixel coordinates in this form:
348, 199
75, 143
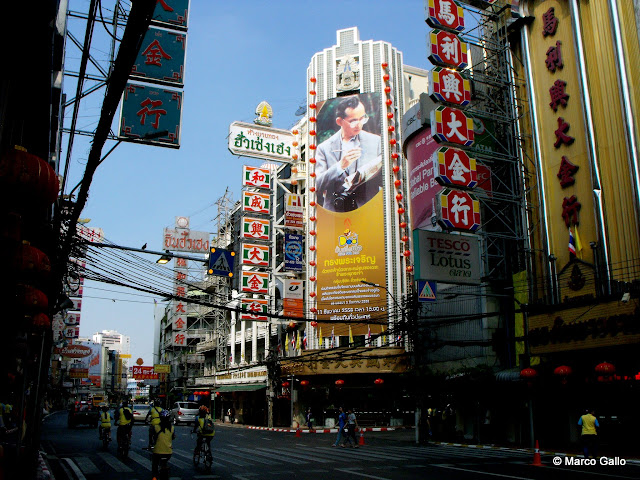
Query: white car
184, 412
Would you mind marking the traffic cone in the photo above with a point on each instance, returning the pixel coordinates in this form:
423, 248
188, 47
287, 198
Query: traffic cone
361, 440
537, 461
298, 432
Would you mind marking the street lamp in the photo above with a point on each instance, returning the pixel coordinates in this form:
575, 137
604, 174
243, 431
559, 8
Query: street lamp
164, 258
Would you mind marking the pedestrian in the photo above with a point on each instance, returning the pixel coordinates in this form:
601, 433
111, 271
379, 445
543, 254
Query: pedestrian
232, 414
589, 436
342, 420
309, 418
350, 429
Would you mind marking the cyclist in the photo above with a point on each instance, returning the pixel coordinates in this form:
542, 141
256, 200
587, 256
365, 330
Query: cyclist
105, 423
164, 434
124, 421
204, 427
154, 413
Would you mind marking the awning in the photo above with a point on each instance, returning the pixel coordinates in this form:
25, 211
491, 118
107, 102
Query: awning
241, 387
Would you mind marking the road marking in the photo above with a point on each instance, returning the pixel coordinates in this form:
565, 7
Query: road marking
451, 467
250, 458
139, 459
361, 474
76, 470
190, 457
86, 465
297, 457
114, 463
270, 455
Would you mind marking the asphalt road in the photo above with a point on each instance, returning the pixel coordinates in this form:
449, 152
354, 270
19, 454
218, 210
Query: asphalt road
243, 454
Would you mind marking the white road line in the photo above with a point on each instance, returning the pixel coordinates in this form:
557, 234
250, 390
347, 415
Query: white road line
451, 467
361, 474
297, 457
86, 465
250, 458
190, 457
272, 454
114, 463
139, 459
76, 470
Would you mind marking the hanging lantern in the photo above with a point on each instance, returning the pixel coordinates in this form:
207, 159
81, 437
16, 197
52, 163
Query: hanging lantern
562, 371
405, 238
397, 183
206, 394
312, 279
312, 294
312, 160
314, 324
407, 253
391, 128
312, 233
295, 132
312, 263
32, 260
312, 79
528, 373
292, 325
32, 298
312, 247
409, 268
396, 169
313, 119
403, 224
395, 156
41, 320
313, 309
385, 77
304, 383
28, 177
339, 383
605, 368
389, 102
312, 92
312, 106
378, 381
285, 384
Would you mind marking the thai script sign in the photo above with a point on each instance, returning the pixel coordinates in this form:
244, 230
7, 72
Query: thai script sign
293, 252
260, 142
161, 368
293, 211
185, 240
144, 373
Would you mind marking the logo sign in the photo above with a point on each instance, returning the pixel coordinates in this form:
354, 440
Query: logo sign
293, 252
449, 86
256, 177
185, 240
450, 125
255, 255
160, 368
426, 291
484, 180
246, 139
255, 282
293, 211
161, 57
255, 228
74, 351
458, 210
293, 202
151, 115
445, 14
256, 202
293, 288
171, 13
141, 372
447, 50
221, 262
454, 167
446, 257
254, 309
264, 114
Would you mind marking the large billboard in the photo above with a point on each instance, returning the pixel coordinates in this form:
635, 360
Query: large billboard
350, 220
423, 187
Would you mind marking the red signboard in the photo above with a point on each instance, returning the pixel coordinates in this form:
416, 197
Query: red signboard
254, 309
445, 14
448, 50
449, 86
458, 210
450, 125
293, 307
454, 167
143, 373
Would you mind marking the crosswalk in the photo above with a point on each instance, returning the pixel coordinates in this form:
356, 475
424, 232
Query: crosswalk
239, 459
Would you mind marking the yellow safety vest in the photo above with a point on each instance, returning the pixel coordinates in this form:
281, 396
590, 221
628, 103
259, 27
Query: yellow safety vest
164, 440
201, 426
123, 420
155, 415
105, 420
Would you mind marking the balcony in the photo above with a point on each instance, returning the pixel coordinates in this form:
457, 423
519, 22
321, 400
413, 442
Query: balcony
206, 345
195, 358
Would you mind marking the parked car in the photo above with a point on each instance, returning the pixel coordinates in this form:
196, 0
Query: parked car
83, 413
140, 413
184, 412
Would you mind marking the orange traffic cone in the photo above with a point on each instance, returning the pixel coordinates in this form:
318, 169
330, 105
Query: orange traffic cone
361, 441
298, 432
537, 461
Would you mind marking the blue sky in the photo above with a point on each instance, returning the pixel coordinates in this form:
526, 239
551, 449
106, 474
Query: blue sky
239, 53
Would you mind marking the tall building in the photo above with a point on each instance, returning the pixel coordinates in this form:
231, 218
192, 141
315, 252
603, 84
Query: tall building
113, 341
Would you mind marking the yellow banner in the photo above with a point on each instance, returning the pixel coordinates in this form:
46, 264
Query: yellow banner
162, 368
124, 355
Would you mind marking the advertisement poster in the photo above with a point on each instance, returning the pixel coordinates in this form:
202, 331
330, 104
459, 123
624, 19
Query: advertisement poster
422, 178
350, 219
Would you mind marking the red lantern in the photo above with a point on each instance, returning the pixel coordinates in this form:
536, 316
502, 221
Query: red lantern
312, 160
313, 309
312, 294
285, 384
294, 143
396, 169
313, 119
41, 320
393, 141
405, 238
409, 268
312, 263
312, 203
312, 189
312, 279
407, 253
312, 79
312, 133
389, 102
339, 383
378, 381
389, 115
312, 92
391, 128
385, 77
398, 196
29, 177
605, 368
314, 324
312, 247
206, 394
32, 260
312, 174
32, 298
395, 156
403, 224
292, 325
312, 233
528, 373
562, 371
401, 210
312, 106
304, 383
312, 147
397, 183
295, 132
384, 64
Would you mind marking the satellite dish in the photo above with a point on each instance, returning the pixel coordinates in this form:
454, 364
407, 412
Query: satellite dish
302, 109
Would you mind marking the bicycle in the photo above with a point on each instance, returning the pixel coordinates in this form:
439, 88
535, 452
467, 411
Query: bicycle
105, 436
124, 441
203, 454
163, 466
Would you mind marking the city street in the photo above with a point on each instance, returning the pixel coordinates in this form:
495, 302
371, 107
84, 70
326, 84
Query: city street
242, 453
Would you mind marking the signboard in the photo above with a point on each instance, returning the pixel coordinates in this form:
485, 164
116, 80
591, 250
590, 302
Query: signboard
179, 323
91, 234
450, 125
458, 210
161, 57
79, 372
171, 14
426, 291
255, 282
445, 14
71, 332
448, 50
73, 351
293, 288
256, 177
178, 339
423, 187
72, 318
255, 228
141, 372
293, 307
293, 252
185, 240
449, 86
448, 258
151, 115
256, 202
160, 368
250, 140
255, 255
254, 309
221, 262
178, 316
454, 167
293, 211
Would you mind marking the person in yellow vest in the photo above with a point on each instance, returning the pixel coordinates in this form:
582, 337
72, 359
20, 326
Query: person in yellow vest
164, 434
124, 420
105, 423
205, 428
589, 437
154, 414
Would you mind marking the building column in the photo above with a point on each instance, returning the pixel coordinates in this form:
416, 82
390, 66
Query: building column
243, 326
254, 342
232, 340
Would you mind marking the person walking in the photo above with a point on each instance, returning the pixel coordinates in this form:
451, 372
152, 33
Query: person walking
309, 418
342, 420
589, 436
350, 429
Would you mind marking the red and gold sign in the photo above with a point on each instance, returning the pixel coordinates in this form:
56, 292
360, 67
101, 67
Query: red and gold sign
451, 125
455, 167
445, 14
449, 86
447, 50
256, 202
458, 210
254, 309
141, 372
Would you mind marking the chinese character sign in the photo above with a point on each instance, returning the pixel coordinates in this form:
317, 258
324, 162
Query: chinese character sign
255, 255
255, 228
254, 309
447, 50
455, 167
161, 57
458, 210
450, 125
149, 111
449, 86
256, 177
178, 339
171, 13
445, 14
256, 202
255, 282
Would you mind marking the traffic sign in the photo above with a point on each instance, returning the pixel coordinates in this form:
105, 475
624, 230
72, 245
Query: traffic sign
426, 291
221, 262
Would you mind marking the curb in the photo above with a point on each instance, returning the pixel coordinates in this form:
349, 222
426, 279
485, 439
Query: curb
322, 430
43, 472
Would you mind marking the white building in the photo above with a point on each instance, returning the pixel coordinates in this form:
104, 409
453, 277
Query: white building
113, 341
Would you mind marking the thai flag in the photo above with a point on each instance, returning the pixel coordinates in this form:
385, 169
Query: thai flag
333, 338
304, 340
293, 341
572, 244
